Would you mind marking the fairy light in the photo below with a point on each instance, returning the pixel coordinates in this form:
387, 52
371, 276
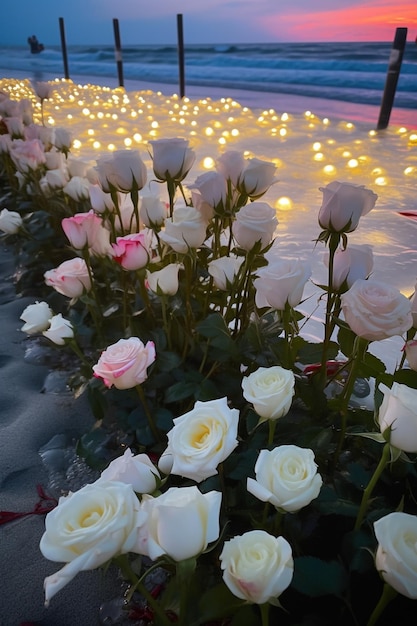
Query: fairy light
208, 163
352, 163
284, 203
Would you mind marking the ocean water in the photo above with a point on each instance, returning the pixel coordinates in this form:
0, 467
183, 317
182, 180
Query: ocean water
349, 72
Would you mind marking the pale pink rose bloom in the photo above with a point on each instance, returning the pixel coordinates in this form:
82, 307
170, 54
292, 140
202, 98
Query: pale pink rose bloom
124, 364
14, 126
256, 178
27, 155
375, 310
135, 470
9, 108
224, 271
82, 229
131, 251
56, 179
255, 222
26, 111
70, 278
5, 144
43, 89
10, 221
54, 160
414, 307
153, 211
280, 282
172, 158
343, 205
62, 139
77, 167
350, 264
411, 353
230, 165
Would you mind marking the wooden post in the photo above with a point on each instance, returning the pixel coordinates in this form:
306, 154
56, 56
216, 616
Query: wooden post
64, 47
181, 55
394, 67
118, 51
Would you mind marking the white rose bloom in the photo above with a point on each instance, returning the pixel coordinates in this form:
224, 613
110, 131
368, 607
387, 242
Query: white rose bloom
270, 390
257, 567
89, 527
36, 317
10, 222
255, 222
343, 205
398, 411
123, 169
286, 477
256, 178
411, 353
186, 229
77, 188
396, 556
224, 271
230, 165
414, 307
135, 470
375, 310
153, 211
350, 264
280, 282
172, 158
200, 440
164, 281
180, 523
59, 330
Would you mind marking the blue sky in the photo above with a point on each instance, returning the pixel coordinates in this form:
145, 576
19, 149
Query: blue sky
209, 21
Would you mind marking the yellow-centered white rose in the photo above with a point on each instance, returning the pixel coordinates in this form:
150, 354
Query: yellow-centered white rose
270, 390
200, 440
89, 527
180, 523
396, 556
286, 477
257, 566
398, 412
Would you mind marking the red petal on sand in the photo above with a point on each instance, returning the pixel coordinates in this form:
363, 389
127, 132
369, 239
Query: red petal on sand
46, 503
412, 215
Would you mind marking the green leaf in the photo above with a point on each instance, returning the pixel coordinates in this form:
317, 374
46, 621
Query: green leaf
218, 602
180, 391
314, 577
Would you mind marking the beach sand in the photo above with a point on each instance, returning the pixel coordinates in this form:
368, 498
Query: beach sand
30, 417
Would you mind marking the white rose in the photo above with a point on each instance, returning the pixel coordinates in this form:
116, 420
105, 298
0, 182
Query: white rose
77, 188
230, 165
153, 211
398, 411
36, 317
89, 527
43, 89
186, 229
396, 555
27, 155
411, 354
57, 179
343, 205
255, 222
270, 390
286, 477
164, 281
212, 189
256, 178
224, 271
10, 222
280, 282
200, 440
59, 330
375, 310
180, 523
123, 169
124, 364
54, 160
62, 139
135, 470
172, 159
350, 264
414, 307
14, 126
257, 567
100, 200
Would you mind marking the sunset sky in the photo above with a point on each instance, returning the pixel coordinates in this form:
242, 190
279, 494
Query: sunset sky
208, 21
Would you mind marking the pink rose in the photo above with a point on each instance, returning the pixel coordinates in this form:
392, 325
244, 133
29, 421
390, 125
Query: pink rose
82, 229
124, 364
71, 278
27, 155
131, 251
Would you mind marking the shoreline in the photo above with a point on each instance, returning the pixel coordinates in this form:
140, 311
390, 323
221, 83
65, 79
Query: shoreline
255, 100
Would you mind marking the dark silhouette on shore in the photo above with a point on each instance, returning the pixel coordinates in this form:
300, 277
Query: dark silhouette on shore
35, 46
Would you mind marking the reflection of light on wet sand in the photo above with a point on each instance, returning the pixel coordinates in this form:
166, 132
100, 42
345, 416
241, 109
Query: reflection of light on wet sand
309, 152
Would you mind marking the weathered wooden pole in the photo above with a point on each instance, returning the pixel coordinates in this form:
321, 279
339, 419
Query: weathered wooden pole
393, 72
118, 51
181, 71
63, 47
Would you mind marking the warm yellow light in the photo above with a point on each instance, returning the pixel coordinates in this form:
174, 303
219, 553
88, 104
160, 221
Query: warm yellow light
128, 142
329, 169
408, 170
319, 156
352, 163
284, 203
154, 124
282, 132
90, 131
222, 141
234, 132
110, 147
96, 145
317, 146
209, 131
137, 137
76, 143
86, 111
380, 181
208, 163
